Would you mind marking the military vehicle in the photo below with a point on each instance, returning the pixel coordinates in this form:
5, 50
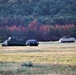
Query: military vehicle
66, 39
14, 42
32, 42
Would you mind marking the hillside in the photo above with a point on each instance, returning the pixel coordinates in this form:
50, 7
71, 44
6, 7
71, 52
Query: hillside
39, 19
22, 12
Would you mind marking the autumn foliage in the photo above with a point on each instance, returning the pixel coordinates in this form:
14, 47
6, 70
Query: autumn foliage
36, 31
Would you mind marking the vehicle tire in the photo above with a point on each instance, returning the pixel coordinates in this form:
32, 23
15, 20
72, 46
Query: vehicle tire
4, 45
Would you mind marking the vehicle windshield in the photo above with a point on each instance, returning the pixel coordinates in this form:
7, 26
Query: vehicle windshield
32, 40
66, 37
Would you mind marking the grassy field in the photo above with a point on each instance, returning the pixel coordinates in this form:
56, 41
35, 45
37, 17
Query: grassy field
49, 58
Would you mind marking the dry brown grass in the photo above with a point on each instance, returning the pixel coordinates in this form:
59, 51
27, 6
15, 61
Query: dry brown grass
48, 52
55, 58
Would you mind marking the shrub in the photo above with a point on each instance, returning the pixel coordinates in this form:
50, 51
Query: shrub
28, 64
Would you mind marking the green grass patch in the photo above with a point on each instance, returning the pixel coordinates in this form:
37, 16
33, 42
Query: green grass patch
36, 69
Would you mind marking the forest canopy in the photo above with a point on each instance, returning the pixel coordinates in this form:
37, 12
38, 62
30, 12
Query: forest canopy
22, 12
45, 19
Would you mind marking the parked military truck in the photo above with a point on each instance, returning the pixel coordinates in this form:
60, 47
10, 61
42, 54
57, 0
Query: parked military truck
14, 42
66, 39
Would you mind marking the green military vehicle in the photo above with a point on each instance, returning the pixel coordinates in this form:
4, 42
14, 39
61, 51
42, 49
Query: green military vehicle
14, 42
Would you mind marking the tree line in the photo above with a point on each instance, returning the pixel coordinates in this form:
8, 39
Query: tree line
39, 32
